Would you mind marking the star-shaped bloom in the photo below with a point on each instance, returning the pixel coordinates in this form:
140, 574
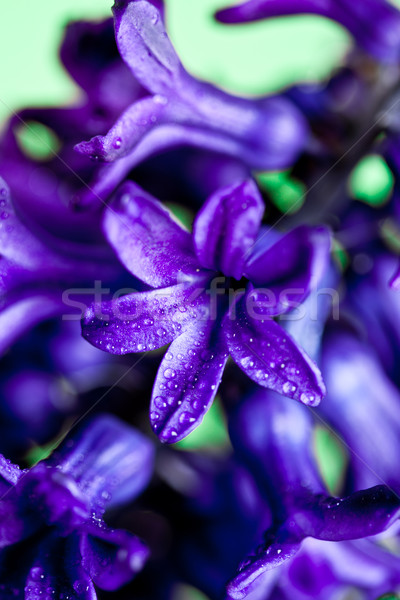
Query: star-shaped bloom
374, 24
264, 134
273, 438
195, 304
53, 540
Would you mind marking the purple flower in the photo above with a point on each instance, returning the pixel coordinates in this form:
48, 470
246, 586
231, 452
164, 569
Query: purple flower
195, 304
375, 24
54, 542
273, 438
35, 270
264, 134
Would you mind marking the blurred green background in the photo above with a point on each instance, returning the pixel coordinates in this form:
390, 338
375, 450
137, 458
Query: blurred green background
246, 59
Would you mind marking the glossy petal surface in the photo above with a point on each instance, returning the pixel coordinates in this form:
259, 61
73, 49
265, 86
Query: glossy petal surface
290, 268
187, 381
268, 355
147, 240
145, 48
141, 321
226, 227
118, 461
110, 557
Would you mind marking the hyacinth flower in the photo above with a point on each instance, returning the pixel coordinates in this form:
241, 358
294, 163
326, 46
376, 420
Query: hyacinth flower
36, 268
365, 415
230, 516
374, 24
180, 110
54, 542
273, 438
205, 323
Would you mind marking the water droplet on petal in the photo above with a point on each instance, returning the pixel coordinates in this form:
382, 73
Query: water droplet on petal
169, 373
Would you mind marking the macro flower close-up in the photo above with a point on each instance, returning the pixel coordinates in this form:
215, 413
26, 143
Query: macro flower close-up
199, 300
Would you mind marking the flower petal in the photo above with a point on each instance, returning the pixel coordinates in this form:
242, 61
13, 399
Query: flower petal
56, 572
255, 566
269, 356
226, 227
354, 405
141, 321
9, 473
145, 46
22, 313
253, 10
395, 280
90, 55
117, 461
147, 240
272, 436
378, 35
290, 268
187, 381
363, 513
264, 134
111, 557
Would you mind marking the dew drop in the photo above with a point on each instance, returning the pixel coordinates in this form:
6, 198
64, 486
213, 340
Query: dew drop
169, 373
160, 402
37, 574
117, 143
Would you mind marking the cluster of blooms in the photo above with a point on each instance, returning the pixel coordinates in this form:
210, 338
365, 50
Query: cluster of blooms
148, 223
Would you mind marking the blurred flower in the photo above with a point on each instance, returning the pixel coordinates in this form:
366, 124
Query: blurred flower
54, 541
263, 134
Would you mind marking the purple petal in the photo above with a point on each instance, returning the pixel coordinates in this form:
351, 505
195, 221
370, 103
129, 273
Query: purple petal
145, 46
24, 313
353, 406
147, 240
254, 10
88, 49
111, 558
187, 381
56, 572
364, 513
375, 24
109, 461
269, 356
255, 566
272, 434
395, 280
226, 227
140, 119
9, 473
13, 527
290, 268
142, 321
